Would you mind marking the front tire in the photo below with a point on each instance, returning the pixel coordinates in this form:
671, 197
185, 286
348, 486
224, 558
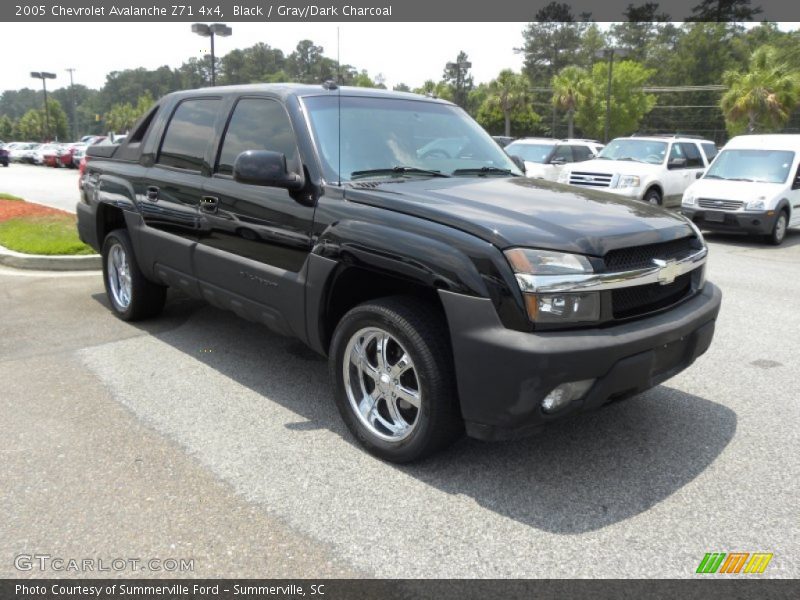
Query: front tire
132, 296
391, 365
653, 196
778, 233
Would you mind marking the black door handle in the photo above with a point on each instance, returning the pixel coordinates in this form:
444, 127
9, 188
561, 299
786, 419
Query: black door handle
152, 193
208, 204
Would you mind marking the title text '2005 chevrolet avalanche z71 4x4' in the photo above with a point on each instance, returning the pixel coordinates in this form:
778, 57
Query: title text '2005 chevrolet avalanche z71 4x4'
391, 234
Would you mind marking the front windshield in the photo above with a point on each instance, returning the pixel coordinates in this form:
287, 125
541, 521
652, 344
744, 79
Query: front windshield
767, 166
646, 151
537, 153
386, 133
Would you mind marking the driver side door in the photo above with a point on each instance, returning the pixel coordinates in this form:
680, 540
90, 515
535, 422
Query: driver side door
254, 239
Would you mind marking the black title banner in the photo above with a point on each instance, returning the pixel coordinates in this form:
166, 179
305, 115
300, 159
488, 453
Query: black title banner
382, 589
394, 10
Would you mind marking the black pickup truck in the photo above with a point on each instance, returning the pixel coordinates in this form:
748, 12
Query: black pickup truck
391, 234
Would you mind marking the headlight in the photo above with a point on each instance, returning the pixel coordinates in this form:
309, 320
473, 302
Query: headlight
553, 308
628, 181
689, 199
754, 205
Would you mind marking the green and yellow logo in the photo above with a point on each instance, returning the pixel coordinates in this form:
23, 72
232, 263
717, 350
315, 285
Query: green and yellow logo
734, 562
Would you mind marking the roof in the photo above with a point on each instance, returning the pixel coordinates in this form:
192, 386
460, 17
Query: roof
775, 141
657, 137
284, 90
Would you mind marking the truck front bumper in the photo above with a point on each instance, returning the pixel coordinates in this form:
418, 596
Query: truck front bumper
503, 375
745, 222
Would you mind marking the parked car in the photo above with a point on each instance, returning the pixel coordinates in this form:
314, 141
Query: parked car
655, 168
753, 186
5, 157
40, 153
77, 153
544, 158
449, 294
503, 140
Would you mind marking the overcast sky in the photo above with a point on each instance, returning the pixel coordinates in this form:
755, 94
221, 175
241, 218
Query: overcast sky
402, 52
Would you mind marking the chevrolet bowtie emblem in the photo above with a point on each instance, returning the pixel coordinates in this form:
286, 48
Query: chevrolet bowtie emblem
668, 270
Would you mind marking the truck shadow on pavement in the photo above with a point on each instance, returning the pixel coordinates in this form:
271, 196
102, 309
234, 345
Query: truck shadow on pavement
578, 475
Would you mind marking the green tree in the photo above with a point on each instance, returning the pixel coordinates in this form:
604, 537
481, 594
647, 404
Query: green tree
459, 79
568, 89
507, 95
556, 40
401, 87
6, 128
629, 103
724, 10
122, 117
761, 98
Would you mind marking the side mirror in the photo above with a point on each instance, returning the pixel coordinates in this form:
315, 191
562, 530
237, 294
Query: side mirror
796, 183
676, 163
264, 167
699, 174
517, 160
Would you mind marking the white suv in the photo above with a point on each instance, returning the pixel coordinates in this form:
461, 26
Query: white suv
656, 169
545, 158
753, 186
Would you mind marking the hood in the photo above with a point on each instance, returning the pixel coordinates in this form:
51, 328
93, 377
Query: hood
719, 189
519, 211
626, 167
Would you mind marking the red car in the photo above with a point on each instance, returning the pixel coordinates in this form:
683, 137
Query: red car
52, 158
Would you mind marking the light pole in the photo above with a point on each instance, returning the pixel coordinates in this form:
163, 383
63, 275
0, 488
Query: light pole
460, 68
609, 53
210, 31
44, 76
74, 110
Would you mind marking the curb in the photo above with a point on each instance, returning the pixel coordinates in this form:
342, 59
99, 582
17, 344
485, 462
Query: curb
40, 262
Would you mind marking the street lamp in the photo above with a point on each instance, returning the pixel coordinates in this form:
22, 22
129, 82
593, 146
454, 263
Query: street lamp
210, 31
610, 53
460, 68
44, 76
71, 70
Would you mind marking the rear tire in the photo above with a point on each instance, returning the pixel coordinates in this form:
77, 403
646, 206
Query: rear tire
391, 366
132, 296
778, 233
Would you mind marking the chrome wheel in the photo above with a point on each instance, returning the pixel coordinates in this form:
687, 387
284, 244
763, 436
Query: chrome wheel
780, 228
119, 276
381, 384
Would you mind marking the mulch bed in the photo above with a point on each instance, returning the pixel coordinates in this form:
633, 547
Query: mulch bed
12, 209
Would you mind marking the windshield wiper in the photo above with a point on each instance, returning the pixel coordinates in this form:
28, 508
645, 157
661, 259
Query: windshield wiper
483, 171
395, 170
639, 160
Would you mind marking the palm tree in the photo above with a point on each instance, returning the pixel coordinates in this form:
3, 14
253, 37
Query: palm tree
761, 98
567, 93
508, 93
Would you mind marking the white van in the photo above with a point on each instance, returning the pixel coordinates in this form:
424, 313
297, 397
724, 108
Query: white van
752, 186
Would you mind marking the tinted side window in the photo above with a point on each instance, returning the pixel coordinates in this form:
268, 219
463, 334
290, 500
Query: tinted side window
188, 134
692, 154
563, 152
581, 153
710, 150
257, 124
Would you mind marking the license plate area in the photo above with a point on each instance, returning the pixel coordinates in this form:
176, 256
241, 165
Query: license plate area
714, 216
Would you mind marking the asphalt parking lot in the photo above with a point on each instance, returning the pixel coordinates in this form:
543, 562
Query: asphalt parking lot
45, 185
199, 435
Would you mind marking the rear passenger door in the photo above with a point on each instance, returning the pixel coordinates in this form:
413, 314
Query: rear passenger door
174, 187
254, 240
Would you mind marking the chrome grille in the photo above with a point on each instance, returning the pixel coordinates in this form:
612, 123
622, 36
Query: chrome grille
718, 204
584, 178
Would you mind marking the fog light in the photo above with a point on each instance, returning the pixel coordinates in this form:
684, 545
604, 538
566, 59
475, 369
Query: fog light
564, 394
